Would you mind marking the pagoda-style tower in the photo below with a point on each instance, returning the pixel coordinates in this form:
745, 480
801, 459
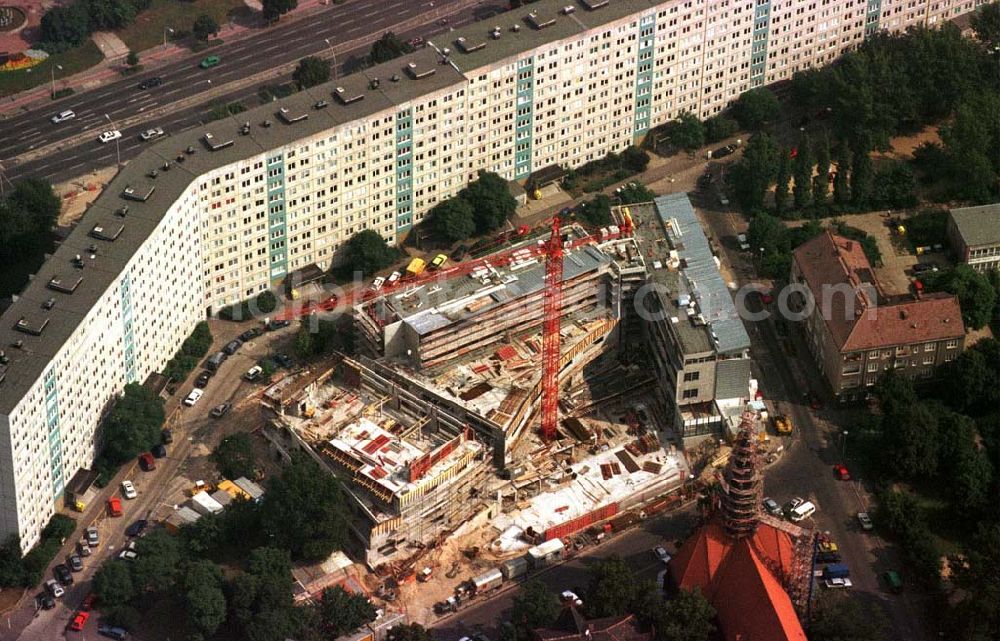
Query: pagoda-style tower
741, 487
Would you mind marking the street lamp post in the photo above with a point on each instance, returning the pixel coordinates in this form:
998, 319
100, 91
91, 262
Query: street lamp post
53, 69
118, 152
334, 54
166, 30
843, 442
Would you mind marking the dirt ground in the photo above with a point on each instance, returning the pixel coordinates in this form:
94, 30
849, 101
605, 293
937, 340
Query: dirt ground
903, 146
78, 193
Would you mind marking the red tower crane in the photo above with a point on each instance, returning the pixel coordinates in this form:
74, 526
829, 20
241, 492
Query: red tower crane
550, 332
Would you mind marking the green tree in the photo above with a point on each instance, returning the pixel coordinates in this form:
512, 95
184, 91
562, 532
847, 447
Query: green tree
803, 173
342, 612
491, 201
781, 180
311, 71
157, 561
133, 425
986, 24
534, 606
686, 132
367, 252
687, 617
894, 187
718, 128
976, 617
973, 289
410, 632
274, 9
753, 174
108, 15
65, 27
388, 47
966, 465
204, 27
755, 108
204, 600
841, 188
821, 183
27, 216
634, 160
611, 591
261, 599
113, 583
634, 192
203, 537
234, 456
132, 59
597, 211
846, 619
305, 512
453, 219
862, 174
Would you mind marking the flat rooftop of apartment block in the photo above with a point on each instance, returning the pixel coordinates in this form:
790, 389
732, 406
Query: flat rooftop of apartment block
694, 295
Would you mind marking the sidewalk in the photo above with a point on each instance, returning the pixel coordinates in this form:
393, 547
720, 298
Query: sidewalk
109, 70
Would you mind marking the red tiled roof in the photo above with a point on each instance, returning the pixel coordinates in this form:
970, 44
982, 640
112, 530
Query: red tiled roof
742, 580
857, 314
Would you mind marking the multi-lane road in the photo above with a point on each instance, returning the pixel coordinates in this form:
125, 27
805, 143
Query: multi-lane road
31, 145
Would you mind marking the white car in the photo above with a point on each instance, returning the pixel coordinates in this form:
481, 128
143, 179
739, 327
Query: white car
865, 521
742, 240
108, 136
150, 134
193, 397
253, 373
377, 283
128, 490
568, 596
393, 277
63, 116
662, 554
54, 588
838, 584
128, 553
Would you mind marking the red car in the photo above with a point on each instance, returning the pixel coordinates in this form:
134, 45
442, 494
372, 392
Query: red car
79, 620
840, 471
115, 506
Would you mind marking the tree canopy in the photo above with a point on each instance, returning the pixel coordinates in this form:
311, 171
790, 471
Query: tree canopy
305, 512
597, 211
753, 174
204, 27
367, 252
274, 9
311, 71
342, 612
27, 215
686, 617
976, 295
133, 425
986, 24
453, 219
388, 47
204, 599
755, 108
846, 619
534, 606
491, 201
611, 591
234, 456
687, 132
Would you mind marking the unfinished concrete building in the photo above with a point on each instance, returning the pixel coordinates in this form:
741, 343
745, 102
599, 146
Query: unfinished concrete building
412, 473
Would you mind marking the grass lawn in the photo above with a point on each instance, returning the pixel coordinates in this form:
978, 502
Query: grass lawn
73, 61
147, 30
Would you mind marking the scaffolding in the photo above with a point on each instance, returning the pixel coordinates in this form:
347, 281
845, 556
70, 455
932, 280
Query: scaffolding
741, 496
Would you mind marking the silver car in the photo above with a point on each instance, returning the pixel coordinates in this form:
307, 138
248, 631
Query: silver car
63, 116
151, 134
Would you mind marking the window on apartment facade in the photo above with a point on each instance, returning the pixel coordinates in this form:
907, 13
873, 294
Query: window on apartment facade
690, 393
691, 376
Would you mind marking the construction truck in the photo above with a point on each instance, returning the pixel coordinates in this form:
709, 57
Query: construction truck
782, 424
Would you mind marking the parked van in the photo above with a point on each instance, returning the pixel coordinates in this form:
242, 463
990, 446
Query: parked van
215, 360
802, 512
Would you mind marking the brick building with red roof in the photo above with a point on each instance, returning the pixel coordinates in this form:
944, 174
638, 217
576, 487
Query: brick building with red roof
572, 626
855, 331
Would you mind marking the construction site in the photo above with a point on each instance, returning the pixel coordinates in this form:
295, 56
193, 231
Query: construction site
515, 394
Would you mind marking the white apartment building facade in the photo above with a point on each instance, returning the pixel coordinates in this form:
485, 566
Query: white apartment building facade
219, 213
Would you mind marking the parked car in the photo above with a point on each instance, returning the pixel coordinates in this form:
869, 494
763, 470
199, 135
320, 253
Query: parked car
253, 373
158, 451
865, 521
840, 471
439, 261
128, 490
278, 324
828, 557
108, 136
232, 347
74, 562
393, 277
128, 553
44, 601
83, 549
921, 268
137, 528
63, 116
250, 334
167, 437
568, 596
662, 554
377, 283
112, 632
93, 537
54, 588
114, 508
149, 83
742, 240
62, 574
460, 252
220, 410
147, 461
722, 152
838, 584
151, 134
771, 507
193, 397
284, 361
202, 381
